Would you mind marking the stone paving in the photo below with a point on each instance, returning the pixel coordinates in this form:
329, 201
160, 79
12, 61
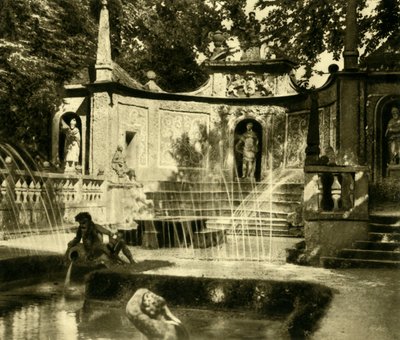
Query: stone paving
366, 303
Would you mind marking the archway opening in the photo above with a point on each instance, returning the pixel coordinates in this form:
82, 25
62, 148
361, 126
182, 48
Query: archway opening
239, 143
389, 135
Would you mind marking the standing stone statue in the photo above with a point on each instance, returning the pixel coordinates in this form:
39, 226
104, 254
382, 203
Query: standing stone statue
72, 144
247, 146
393, 136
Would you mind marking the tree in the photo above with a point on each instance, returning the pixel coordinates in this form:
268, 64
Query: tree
306, 28
42, 45
166, 36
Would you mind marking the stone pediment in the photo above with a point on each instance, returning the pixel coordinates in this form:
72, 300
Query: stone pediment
249, 79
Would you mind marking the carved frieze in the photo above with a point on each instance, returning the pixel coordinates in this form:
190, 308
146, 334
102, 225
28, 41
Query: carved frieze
257, 85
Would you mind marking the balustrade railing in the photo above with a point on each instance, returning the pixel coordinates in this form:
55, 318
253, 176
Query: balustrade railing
22, 187
336, 192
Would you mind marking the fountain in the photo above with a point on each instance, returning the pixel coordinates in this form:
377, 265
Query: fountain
198, 302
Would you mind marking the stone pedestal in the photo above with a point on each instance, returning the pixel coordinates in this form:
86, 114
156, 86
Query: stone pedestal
149, 237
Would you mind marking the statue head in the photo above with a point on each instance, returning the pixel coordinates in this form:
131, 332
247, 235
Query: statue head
84, 219
152, 304
395, 112
249, 126
72, 123
119, 147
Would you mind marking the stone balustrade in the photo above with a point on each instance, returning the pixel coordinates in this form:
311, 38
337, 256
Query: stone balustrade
32, 200
32, 187
335, 208
336, 192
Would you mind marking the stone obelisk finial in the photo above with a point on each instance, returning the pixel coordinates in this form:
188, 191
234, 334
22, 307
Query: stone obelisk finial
103, 57
350, 54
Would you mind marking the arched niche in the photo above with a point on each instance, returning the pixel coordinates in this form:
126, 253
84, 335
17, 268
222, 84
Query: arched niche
382, 118
240, 129
67, 117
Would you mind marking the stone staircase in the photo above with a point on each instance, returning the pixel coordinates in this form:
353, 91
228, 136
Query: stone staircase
381, 250
241, 207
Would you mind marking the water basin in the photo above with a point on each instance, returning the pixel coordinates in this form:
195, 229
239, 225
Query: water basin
42, 311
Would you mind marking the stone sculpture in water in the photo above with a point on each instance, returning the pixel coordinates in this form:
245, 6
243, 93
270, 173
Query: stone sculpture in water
151, 316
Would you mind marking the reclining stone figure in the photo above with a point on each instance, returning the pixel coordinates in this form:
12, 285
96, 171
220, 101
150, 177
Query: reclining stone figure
151, 316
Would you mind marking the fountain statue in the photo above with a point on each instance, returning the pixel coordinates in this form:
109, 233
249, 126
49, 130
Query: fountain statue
72, 144
92, 246
247, 146
151, 316
393, 136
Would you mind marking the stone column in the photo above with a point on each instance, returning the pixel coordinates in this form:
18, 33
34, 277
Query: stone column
349, 93
350, 53
312, 149
100, 132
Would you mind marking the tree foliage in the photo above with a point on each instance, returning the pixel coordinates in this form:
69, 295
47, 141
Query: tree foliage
306, 28
42, 45
166, 37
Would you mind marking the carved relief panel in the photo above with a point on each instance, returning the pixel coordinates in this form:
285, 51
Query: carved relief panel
172, 125
296, 140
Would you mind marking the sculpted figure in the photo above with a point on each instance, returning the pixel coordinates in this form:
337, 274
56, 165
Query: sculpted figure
237, 82
72, 143
248, 147
152, 317
118, 163
250, 86
91, 235
265, 85
234, 52
393, 136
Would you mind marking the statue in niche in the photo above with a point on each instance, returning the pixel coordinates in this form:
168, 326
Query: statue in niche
118, 163
247, 146
152, 317
72, 144
393, 136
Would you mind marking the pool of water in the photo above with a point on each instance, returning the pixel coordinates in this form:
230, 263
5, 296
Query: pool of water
45, 311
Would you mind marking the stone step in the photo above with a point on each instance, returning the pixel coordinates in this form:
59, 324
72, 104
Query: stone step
338, 262
384, 228
369, 245
251, 223
384, 218
261, 233
384, 237
370, 254
249, 210
209, 238
230, 200
225, 212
